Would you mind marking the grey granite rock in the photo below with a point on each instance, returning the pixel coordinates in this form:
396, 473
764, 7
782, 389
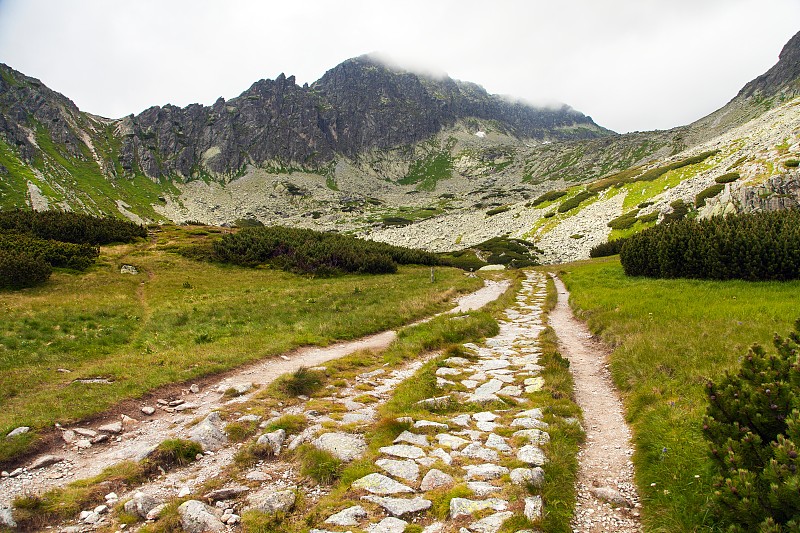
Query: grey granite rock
403, 469
351, 516
197, 517
380, 484
343, 446
435, 479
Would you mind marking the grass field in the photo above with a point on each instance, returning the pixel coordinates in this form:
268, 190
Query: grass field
176, 320
669, 338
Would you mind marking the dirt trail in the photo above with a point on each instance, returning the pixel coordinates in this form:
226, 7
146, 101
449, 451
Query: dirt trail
139, 438
607, 496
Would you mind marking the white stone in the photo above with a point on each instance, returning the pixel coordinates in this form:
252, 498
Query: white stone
532, 455
399, 506
528, 476
351, 516
498, 443
476, 451
451, 441
492, 523
442, 455
534, 436
463, 506
421, 424
18, 431
434, 479
380, 484
343, 446
485, 471
197, 517
462, 420
412, 438
485, 416
388, 525
482, 488
407, 470
403, 451
533, 508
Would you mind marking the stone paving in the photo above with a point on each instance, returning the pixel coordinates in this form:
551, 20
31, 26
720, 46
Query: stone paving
495, 452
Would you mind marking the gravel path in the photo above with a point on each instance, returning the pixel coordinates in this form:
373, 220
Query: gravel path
607, 497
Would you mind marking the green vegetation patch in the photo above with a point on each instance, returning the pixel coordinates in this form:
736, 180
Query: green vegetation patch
549, 196
709, 192
756, 246
791, 163
307, 251
139, 331
670, 336
513, 253
728, 177
428, 171
573, 202
71, 227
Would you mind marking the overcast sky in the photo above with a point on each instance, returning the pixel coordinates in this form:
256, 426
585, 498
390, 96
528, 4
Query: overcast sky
630, 64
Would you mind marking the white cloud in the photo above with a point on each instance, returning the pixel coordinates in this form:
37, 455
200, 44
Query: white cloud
631, 65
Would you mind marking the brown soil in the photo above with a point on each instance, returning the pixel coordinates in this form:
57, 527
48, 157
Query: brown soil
605, 458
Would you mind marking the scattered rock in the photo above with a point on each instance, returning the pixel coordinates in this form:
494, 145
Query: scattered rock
18, 431
434, 479
141, 504
534, 436
445, 457
485, 416
351, 516
610, 495
380, 484
6, 517
476, 451
271, 502
496, 442
461, 420
45, 460
274, 440
237, 388
482, 488
128, 269
343, 446
209, 433
197, 517
68, 436
421, 424
194, 388
451, 441
435, 403
155, 512
257, 475
226, 493
114, 428
148, 410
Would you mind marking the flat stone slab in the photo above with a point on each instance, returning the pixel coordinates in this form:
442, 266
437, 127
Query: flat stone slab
487, 426
403, 451
528, 476
388, 525
442, 455
421, 424
482, 488
492, 523
399, 506
434, 479
534, 436
406, 469
451, 441
490, 387
463, 506
476, 451
456, 361
461, 420
412, 438
485, 416
343, 446
533, 455
380, 484
485, 471
528, 423
447, 371
496, 442
351, 516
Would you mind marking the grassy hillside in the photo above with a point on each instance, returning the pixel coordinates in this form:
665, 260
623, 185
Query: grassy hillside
670, 337
179, 319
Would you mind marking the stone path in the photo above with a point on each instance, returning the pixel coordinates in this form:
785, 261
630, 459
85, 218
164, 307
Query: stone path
606, 493
495, 453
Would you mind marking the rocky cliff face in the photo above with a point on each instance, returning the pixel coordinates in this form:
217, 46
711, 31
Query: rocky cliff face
356, 106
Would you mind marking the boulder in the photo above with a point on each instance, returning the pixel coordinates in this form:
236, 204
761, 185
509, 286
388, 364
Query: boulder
45, 460
434, 479
343, 446
274, 440
380, 484
226, 493
351, 516
209, 433
406, 469
197, 517
141, 504
464, 506
271, 502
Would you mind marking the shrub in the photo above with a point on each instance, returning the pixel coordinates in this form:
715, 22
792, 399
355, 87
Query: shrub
498, 210
20, 270
679, 211
728, 177
549, 196
758, 246
624, 221
791, 163
71, 227
707, 193
318, 464
753, 426
306, 251
575, 201
56, 253
655, 173
608, 248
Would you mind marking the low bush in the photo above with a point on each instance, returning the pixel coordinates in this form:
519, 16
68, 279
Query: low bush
608, 248
753, 426
728, 177
575, 201
791, 163
624, 221
302, 382
305, 251
549, 196
705, 194
498, 210
318, 464
655, 173
56, 253
758, 246
71, 227
20, 270
679, 211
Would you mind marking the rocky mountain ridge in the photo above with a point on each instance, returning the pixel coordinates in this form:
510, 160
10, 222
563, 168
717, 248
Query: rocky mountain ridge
383, 153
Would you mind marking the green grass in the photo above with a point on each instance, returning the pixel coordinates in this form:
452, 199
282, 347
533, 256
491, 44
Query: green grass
140, 331
669, 338
428, 171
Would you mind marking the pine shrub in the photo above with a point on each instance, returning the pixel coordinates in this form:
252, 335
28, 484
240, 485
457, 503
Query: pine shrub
20, 270
606, 249
707, 193
549, 196
753, 426
71, 227
728, 177
758, 246
571, 203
